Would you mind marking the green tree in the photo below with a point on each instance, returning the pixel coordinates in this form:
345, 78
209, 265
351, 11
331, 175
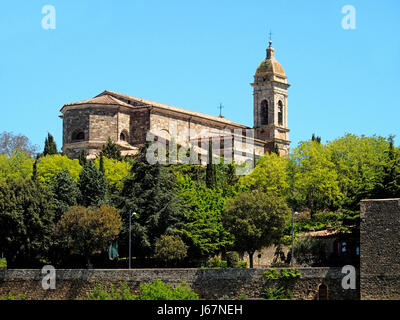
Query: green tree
15, 166
89, 230
170, 249
314, 180
111, 150
150, 190
359, 162
50, 146
82, 158
269, 175
310, 251
202, 228
26, 219
256, 220
315, 138
115, 172
211, 172
65, 192
389, 185
10, 143
49, 165
92, 185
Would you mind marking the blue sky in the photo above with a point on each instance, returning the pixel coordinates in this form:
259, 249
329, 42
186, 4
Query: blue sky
197, 54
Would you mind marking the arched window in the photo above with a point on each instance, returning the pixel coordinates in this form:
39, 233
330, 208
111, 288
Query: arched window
280, 113
323, 292
123, 136
78, 135
264, 112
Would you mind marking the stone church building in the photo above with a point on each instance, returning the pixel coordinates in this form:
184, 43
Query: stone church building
88, 124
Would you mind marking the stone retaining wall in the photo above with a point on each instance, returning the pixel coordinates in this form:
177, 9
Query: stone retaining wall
208, 283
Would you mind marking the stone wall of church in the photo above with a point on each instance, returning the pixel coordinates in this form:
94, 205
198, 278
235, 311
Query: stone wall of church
124, 124
197, 126
139, 124
103, 124
379, 249
74, 120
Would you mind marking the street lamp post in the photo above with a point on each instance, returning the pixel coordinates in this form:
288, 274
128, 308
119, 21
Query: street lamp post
130, 231
292, 257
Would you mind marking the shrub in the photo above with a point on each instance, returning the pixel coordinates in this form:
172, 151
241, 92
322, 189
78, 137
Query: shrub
170, 249
3, 263
153, 290
310, 251
158, 290
216, 262
284, 274
232, 259
271, 274
102, 292
290, 274
277, 294
11, 297
242, 264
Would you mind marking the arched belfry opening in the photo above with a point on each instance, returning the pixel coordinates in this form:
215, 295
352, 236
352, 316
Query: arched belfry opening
264, 113
280, 113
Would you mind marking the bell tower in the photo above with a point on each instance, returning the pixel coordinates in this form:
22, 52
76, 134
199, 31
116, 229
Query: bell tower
270, 104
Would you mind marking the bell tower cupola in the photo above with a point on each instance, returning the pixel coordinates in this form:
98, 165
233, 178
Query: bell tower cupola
270, 104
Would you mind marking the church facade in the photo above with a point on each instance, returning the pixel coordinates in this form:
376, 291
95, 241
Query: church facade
128, 120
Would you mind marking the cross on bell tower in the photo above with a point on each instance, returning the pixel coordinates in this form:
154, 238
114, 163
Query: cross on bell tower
270, 103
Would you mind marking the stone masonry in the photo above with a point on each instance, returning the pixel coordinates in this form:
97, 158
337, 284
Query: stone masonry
380, 249
208, 283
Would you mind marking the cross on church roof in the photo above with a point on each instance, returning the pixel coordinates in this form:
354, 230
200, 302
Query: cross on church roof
270, 35
220, 109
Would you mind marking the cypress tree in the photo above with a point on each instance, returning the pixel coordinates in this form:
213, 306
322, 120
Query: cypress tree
65, 192
92, 185
150, 191
82, 158
50, 146
111, 150
101, 165
211, 175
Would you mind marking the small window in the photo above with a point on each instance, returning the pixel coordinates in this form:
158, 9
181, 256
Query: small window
280, 113
78, 135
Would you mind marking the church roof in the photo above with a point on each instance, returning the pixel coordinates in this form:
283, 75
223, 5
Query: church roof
145, 102
270, 65
104, 99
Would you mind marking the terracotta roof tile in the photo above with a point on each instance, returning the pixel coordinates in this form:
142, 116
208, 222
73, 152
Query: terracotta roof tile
104, 99
171, 108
